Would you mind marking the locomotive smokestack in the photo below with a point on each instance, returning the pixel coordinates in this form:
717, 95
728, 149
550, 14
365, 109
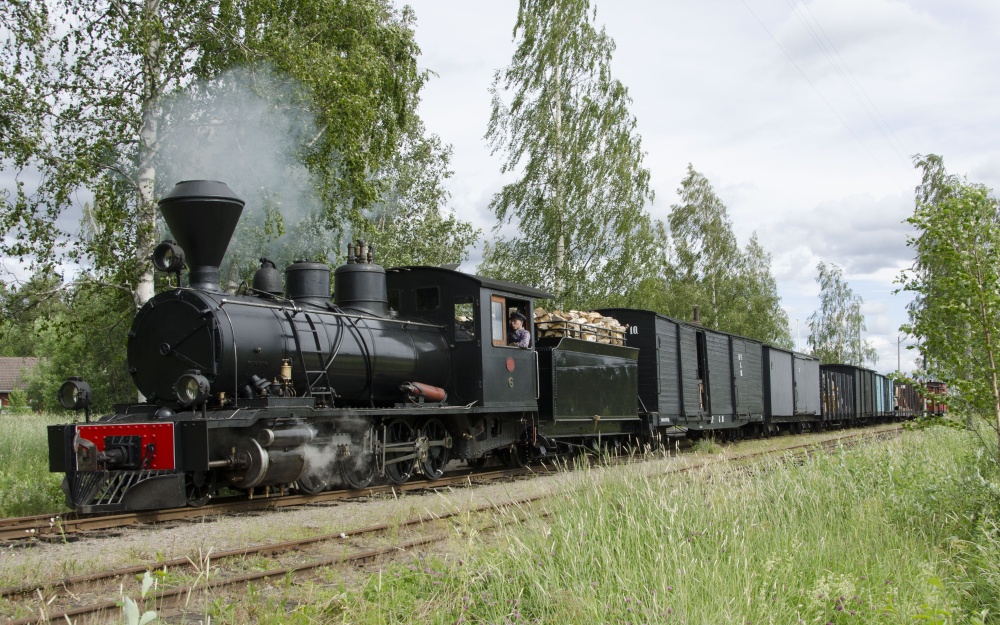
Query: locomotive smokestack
202, 216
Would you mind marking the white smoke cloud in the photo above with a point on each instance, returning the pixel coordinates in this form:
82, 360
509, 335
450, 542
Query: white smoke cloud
248, 128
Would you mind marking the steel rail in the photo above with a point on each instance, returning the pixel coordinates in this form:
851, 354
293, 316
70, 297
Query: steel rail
59, 526
53, 526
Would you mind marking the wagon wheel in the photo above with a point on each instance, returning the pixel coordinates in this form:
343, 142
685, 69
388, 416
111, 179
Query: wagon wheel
516, 456
357, 470
399, 452
435, 436
199, 486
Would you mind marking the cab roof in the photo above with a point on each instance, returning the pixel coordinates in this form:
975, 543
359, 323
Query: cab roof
490, 283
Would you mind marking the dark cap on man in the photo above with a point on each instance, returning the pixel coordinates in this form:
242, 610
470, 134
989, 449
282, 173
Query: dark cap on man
518, 315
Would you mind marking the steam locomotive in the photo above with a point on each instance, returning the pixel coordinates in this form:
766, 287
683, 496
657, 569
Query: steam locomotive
397, 374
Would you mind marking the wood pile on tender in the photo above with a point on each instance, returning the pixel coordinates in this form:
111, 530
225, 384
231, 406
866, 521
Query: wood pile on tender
588, 326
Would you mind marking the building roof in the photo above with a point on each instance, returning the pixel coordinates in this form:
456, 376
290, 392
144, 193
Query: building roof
14, 371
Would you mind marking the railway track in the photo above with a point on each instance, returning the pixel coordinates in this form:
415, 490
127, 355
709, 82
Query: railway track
83, 597
58, 527
66, 526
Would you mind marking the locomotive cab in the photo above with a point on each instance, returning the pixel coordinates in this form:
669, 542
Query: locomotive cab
486, 371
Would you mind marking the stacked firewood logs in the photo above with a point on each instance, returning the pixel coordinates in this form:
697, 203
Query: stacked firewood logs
588, 326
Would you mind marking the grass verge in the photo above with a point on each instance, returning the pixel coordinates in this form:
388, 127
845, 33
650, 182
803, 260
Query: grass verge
26, 486
899, 532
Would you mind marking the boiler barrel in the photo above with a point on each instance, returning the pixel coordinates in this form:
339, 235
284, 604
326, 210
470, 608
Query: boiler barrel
232, 338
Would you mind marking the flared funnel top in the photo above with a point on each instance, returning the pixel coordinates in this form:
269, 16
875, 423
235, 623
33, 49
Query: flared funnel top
202, 216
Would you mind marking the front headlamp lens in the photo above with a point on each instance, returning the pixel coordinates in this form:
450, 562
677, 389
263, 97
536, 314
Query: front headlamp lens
74, 394
168, 257
192, 388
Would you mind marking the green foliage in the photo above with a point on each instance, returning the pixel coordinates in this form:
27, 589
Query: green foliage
18, 401
130, 608
356, 63
835, 329
89, 106
408, 225
931, 421
955, 277
27, 311
706, 445
707, 251
77, 329
733, 288
577, 208
89, 342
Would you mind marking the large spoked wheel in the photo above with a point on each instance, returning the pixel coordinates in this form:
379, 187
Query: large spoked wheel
435, 435
311, 484
400, 454
199, 486
358, 470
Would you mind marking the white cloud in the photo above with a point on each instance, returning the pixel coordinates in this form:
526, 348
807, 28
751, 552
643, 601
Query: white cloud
819, 166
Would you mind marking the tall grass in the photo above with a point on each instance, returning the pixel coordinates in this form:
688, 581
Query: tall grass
26, 486
885, 534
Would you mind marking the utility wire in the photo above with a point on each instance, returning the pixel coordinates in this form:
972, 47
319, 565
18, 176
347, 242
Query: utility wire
829, 49
818, 92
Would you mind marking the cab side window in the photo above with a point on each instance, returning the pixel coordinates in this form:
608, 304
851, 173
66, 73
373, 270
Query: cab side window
502, 310
427, 298
498, 320
465, 319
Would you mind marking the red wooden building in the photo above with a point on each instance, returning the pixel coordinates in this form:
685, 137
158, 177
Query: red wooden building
14, 374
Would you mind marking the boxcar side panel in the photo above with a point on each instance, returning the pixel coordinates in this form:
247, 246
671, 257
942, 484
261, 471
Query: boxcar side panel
807, 398
780, 386
668, 384
868, 393
747, 378
720, 375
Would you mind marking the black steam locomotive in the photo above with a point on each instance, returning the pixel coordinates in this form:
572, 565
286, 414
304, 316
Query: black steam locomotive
399, 373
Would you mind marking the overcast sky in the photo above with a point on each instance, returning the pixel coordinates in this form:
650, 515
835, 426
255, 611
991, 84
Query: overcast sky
803, 115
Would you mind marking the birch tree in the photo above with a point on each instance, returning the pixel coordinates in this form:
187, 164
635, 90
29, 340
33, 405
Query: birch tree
835, 329
955, 277
758, 309
562, 123
707, 251
411, 224
82, 108
734, 288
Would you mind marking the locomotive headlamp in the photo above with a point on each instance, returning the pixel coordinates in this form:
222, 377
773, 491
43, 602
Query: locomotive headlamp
191, 388
74, 394
168, 257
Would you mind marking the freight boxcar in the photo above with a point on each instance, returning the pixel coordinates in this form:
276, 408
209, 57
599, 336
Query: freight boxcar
840, 387
934, 401
908, 403
791, 388
692, 376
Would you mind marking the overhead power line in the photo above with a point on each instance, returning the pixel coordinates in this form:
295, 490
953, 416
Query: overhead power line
818, 92
830, 51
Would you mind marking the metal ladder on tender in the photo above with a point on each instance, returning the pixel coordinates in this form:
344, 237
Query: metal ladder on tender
306, 335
